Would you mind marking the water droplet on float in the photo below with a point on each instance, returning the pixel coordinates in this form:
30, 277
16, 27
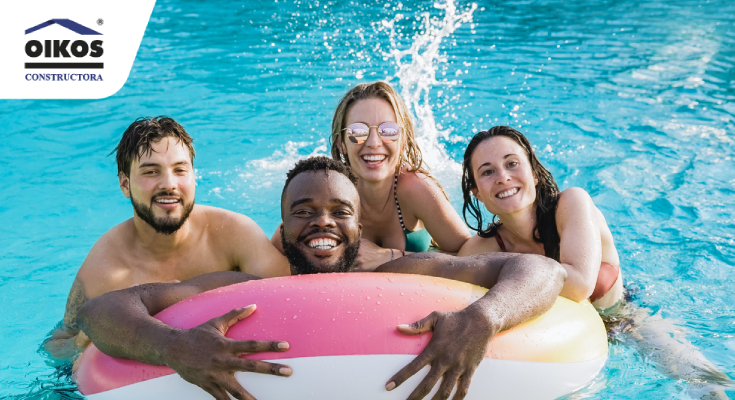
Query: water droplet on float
294, 317
368, 297
403, 294
288, 299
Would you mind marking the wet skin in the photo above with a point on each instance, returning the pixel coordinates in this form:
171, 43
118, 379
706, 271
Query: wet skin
372, 112
320, 218
505, 181
162, 182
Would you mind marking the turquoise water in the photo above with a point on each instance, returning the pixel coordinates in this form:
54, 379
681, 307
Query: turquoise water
631, 101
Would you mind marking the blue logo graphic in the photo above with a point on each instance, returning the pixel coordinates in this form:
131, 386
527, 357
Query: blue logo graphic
66, 23
61, 49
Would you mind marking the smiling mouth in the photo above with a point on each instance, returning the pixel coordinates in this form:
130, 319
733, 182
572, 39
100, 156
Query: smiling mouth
167, 201
373, 159
507, 193
322, 243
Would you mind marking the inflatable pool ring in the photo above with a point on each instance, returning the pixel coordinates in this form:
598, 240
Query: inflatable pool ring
344, 342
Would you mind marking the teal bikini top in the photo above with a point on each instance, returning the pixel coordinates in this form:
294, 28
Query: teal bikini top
416, 241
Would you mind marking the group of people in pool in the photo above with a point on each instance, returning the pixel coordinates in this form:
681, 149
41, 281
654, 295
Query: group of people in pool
373, 206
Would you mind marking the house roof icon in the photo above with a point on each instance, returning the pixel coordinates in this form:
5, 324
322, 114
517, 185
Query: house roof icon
66, 23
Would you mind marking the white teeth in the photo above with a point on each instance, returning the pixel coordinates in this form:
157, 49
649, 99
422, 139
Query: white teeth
507, 193
167, 201
374, 158
323, 243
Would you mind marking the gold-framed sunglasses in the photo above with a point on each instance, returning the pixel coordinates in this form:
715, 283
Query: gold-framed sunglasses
358, 132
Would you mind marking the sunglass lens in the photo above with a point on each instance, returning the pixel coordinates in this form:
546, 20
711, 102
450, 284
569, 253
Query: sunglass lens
359, 132
389, 130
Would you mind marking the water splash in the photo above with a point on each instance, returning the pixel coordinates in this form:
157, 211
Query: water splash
416, 72
415, 76
294, 151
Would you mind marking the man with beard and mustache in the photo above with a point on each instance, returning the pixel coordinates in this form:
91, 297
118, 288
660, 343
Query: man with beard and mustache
169, 238
320, 207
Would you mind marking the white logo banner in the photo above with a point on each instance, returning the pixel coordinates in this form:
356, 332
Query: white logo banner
69, 49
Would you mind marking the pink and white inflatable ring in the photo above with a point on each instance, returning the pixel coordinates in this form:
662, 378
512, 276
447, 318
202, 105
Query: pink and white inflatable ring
344, 343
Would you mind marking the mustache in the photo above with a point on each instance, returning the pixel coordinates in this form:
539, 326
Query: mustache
165, 193
342, 238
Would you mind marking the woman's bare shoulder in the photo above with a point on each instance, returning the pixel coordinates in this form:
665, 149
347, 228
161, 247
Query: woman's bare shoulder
575, 196
415, 183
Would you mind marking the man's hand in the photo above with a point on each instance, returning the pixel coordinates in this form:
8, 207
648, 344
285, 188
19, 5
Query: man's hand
205, 357
455, 350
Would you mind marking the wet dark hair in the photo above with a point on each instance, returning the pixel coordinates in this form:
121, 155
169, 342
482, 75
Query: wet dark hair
547, 192
319, 163
137, 139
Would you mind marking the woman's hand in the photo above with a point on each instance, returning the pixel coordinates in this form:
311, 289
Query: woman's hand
372, 256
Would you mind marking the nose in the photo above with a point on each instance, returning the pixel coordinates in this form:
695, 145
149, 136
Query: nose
168, 180
323, 219
373, 139
502, 175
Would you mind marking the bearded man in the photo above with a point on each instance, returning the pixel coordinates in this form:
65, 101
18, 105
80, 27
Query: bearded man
169, 238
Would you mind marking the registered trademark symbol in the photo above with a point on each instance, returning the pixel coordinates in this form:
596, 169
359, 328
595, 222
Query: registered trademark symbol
100, 21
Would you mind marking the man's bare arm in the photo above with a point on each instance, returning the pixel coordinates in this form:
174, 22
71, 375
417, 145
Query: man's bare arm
120, 325
67, 339
521, 286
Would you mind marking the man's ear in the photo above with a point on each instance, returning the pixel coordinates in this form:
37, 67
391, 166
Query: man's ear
124, 183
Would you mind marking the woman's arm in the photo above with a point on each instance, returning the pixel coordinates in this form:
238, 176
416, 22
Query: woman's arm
276, 239
477, 245
580, 248
427, 202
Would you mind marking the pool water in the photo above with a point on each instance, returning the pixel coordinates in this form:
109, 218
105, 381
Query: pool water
631, 101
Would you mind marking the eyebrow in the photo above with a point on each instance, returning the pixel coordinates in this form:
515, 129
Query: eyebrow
301, 201
145, 165
488, 163
334, 201
343, 202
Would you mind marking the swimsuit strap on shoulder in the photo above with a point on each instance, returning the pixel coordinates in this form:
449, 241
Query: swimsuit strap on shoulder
398, 206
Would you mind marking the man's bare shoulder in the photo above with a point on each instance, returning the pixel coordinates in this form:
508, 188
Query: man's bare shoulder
245, 243
105, 269
225, 223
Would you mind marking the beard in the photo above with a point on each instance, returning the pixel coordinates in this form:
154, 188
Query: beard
165, 225
302, 265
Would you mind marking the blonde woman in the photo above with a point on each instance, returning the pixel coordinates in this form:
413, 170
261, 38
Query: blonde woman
402, 207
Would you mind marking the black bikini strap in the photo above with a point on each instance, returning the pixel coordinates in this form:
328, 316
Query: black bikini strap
398, 206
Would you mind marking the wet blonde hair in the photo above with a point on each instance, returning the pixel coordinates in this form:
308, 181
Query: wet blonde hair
410, 152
